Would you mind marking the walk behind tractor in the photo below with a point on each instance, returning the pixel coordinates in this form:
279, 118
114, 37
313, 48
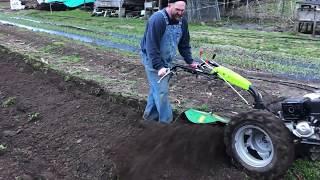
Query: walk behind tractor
262, 141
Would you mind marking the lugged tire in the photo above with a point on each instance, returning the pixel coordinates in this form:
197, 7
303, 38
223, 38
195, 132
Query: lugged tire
279, 134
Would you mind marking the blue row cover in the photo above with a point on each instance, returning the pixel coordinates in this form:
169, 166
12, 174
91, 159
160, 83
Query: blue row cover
70, 3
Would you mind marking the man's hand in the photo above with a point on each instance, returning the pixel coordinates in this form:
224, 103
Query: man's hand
162, 72
194, 64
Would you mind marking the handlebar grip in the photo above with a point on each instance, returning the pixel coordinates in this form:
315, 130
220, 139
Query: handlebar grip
168, 71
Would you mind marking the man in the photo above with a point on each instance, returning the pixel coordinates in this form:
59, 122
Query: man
166, 31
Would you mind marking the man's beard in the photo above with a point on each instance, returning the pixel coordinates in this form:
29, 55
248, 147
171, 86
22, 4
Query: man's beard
177, 17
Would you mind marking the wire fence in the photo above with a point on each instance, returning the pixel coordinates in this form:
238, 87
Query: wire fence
203, 10
266, 9
211, 10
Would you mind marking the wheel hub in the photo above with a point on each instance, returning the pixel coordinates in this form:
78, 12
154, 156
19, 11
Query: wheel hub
254, 146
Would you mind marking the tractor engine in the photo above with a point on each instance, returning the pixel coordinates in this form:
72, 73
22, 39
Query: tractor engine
302, 117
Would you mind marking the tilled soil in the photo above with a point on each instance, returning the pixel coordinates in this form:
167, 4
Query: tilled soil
178, 152
72, 136
54, 130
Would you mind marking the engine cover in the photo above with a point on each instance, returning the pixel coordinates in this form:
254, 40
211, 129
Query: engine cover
303, 129
295, 108
313, 105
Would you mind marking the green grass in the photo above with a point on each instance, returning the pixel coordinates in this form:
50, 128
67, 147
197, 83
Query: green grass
264, 41
70, 59
258, 40
83, 19
275, 52
304, 169
49, 48
96, 33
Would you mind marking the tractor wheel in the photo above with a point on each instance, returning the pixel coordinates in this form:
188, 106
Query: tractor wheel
260, 144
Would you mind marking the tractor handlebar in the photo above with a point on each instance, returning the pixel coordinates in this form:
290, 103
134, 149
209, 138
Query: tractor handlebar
206, 69
202, 69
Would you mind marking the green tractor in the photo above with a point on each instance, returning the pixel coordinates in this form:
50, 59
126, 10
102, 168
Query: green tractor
261, 141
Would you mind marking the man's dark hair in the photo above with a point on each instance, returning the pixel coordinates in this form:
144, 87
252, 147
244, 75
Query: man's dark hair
173, 1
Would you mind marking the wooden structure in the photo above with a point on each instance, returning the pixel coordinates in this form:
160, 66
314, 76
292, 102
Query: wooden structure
151, 6
118, 7
197, 10
308, 15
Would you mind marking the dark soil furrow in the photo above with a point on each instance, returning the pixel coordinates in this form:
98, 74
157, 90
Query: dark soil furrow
54, 130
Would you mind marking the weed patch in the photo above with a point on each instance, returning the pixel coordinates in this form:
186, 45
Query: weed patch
3, 148
9, 102
303, 169
34, 116
70, 59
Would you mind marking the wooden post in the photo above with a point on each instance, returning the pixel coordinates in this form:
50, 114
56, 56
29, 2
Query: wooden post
218, 11
292, 10
50, 8
314, 21
119, 15
247, 9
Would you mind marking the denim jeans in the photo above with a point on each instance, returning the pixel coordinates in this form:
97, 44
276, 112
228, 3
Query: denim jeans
158, 105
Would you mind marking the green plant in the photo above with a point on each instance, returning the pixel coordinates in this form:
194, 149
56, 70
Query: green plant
2, 147
33, 116
70, 59
304, 169
10, 101
203, 107
47, 49
67, 78
58, 43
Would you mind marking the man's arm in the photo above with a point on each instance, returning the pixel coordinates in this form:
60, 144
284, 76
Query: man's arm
184, 44
156, 29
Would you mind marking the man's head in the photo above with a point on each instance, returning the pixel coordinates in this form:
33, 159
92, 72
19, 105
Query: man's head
176, 8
